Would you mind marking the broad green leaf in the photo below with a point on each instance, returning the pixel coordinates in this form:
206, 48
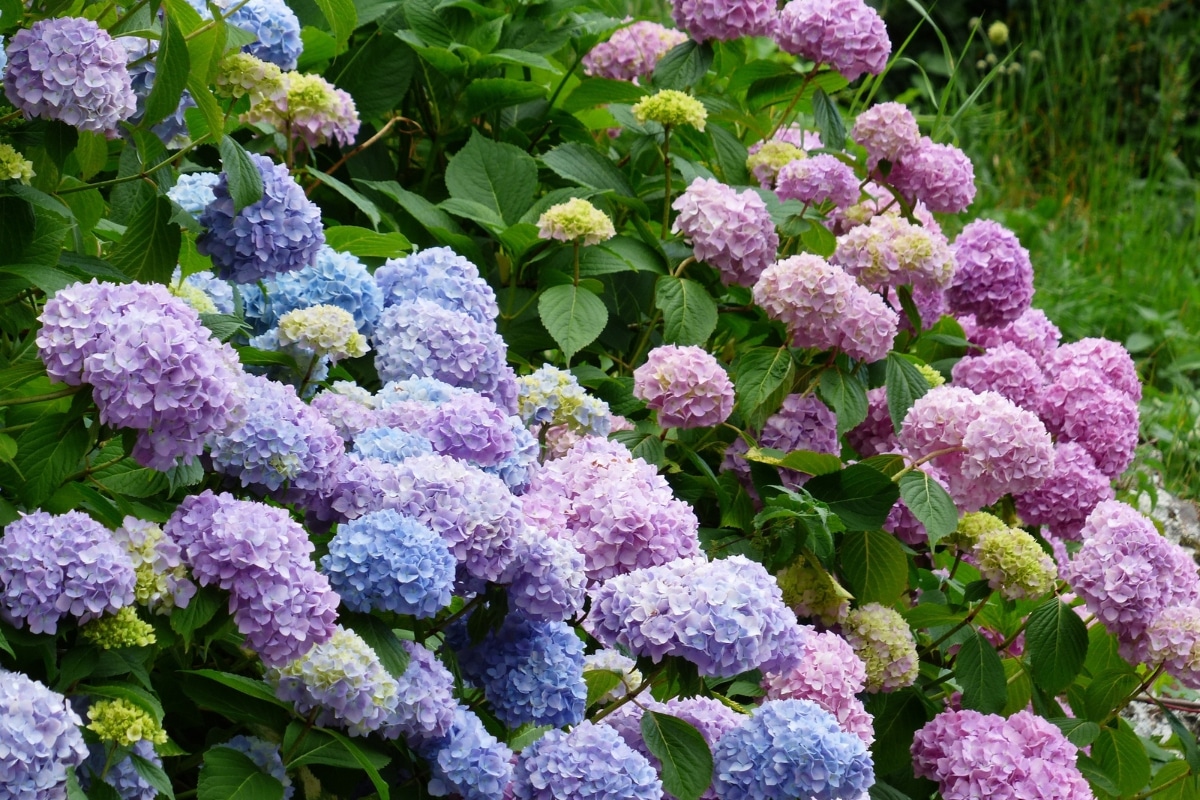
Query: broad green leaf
365, 763
1182, 789
230, 775
846, 395
490, 94
687, 763
931, 615
874, 566
305, 745
1057, 643
881, 791
130, 479
439, 224
573, 316
817, 239
1120, 753
860, 495
1187, 739
424, 20
586, 166
245, 180
689, 312
16, 227
898, 715
929, 503
377, 74
829, 121
149, 250
1019, 687
496, 175
342, 17
92, 154
136, 695
200, 610
366, 243
1080, 732
905, 385
731, 155
153, 774
258, 690
599, 683
171, 67
592, 92
209, 122
763, 376
380, 638
1107, 691
644, 445
684, 65
806, 461
368, 208
981, 675
46, 454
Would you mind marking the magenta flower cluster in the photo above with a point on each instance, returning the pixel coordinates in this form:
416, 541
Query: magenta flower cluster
632, 52
848, 35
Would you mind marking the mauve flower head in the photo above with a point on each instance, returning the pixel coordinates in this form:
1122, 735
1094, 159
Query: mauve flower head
939, 175
875, 435
1108, 359
194, 190
335, 279
831, 675
1005, 369
1078, 405
421, 339
151, 364
282, 232
848, 35
1069, 494
1033, 332
887, 131
1174, 640
994, 280
824, 307
57, 566
472, 428
632, 52
390, 445
724, 616
724, 20
546, 578
468, 761
728, 229
616, 509
71, 70
275, 27
310, 109
342, 680
121, 775
162, 579
685, 385
385, 561
884, 642
818, 179
39, 739
591, 762
891, 251
266, 756
425, 704
442, 276
349, 416
973, 755
1128, 574
791, 748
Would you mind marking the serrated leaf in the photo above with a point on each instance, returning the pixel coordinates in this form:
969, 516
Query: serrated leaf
1119, 752
687, 762
806, 461
223, 326
684, 65
762, 375
599, 683
149, 250
499, 176
829, 120
1057, 643
342, 17
365, 763
47, 453
153, 774
230, 775
930, 503
199, 612
905, 385
874, 566
573, 316
846, 395
860, 495
689, 312
368, 208
365, 243
245, 181
1079, 732
586, 166
932, 615
981, 675
171, 67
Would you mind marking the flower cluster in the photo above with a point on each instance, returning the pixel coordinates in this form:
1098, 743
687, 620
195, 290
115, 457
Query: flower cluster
162, 580
590, 762
39, 738
939, 175
994, 279
553, 397
1069, 494
887, 131
848, 35
468, 761
632, 52
820, 179
669, 107
891, 251
1014, 564
1005, 369
328, 331
440, 275
724, 20
310, 108
685, 385
13, 165
803, 422
122, 629
882, 639
243, 75
1079, 406
831, 675
548, 581
728, 229
122, 775
390, 445
425, 709
275, 27
576, 220
333, 279
123, 722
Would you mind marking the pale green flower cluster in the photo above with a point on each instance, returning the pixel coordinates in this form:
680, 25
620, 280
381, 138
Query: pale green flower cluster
671, 107
576, 220
1014, 564
193, 296
123, 722
934, 378
242, 74
552, 396
123, 629
972, 527
14, 166
772, 157
883, 640
326, 330
812, 592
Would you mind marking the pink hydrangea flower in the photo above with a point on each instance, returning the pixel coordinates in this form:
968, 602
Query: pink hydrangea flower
848, 35
725, 20
1033, 332
686, 386
940, 175
1007, 370
891, 251
728, 229
632, 51
818, 179
1074, 488
888, 131
994, 279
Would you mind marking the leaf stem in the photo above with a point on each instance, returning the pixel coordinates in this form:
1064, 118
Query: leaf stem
146, 173
666, 223
808, 76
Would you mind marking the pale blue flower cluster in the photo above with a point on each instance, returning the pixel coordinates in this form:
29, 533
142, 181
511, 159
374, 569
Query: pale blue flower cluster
442, 276
391, 445
39, 739
194, 190
276, 28
591, 762
468, 761
122, 775
335, 279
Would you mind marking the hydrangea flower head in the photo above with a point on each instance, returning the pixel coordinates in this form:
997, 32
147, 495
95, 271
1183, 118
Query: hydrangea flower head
994, 280
336, 279
71, 70
875, 435
162, 580
1005, 369
848, 35
803, 422
122, 629
282, 232
831, 675
576, 220
1174, 640
669, 107
13, 165
311, 109
468, 761
1104, 357
724, 20
816, 180
553, 396
241, 75
685, 385
121, 775
812, 593
326, 330
1064, 501
885, 644
425, 706
121, 721
39, 738
549, 582
275, 27
632, 52
1014, 564
887, 131
939, 175
891, 251
1033, 332
391, 445
728, 229
1080, 406
591, 762
771, 157
442, 276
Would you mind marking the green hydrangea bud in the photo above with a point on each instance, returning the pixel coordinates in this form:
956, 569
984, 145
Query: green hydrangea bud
812, 592
882, 639
576, 219
997, 33
122, 722
1014, 564
14, 166
671, 107
242, 74
123, 629
327, 330
772, 157
193, 296
931, 375
974, 525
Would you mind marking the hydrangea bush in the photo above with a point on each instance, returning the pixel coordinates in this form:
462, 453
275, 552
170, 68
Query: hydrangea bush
506, 400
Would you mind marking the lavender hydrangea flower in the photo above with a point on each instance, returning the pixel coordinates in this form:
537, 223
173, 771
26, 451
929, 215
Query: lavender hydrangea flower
282, 232
616, 509
468, 761
891, 251
685, 385
994, 280
939, 175
724, 20
1069, 495
848, 35
71, 70
1006, 370
391, 445
349, 416
333, 278
1033, 332
1079, 406
194, 190
425, 706
439, 275
875, 435
56, 566
791, 748
268, 758
728, 229
308, 109
1106, 358
589, 763
825, 307
632, 52
1174, 640
141, 64
203, 289
888, 131
472, 428
816, 180
803, 422
121, 775
724, 616
547, 580
39, 739
831, 675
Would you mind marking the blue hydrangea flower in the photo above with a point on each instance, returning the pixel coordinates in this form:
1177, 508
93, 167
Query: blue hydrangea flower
789, 749
391, 445
122, 775
276, 29
416, 390
335, 279
592, 762
194, 190
142, 69
531, 672
386, 561
3, 55
425, 705
442, 276
39, 739
517, 469
266, 755
468, 761
549, 581
282, 232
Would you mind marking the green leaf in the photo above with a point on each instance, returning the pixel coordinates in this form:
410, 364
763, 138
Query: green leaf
981, 675
763, 378
423, 18
932, 615
153, 774
368, 208
874, 566
245, 181
586, 166
599, 683
365, 763
573, 316
496, 175
377, 75
687, 763
689, 312
210, 122
684, 65
806, 461
199, 612
47, 453
171, 67
257, 690
1079, 732
230, 775
644, 445
905, 385
305, 745
342, 17
1120, 754
846, 395
366, 243
16, 224
929, 503
1057, 643
149, 250
223, 326
731, 155
489, 94
592, 92
380, 638
860, 495
829, 121
1107, 690
898, 715
817, 239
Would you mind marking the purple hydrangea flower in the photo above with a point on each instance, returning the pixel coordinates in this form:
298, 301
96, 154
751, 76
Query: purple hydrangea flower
939, 175
724, 20
122, 775
724, 616
632, 52
1033, 332
616, 509
1108, 359
547, 580
1006, 370
55, 566
39, 739
728, 229
468, 761
388, 562
416, 390
994, 280
441, 276
685, 385
282, 232
888, 131
142, 67
875, 435
1079, 406
268, 758
824, 307
1174, 640
1069, 495
425, 705
472, 428
162, 583
891, 251
194, 190
391, 445
816, 180
803, 422
591, 762
831, 675
791, 748
848, 35
70, 69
